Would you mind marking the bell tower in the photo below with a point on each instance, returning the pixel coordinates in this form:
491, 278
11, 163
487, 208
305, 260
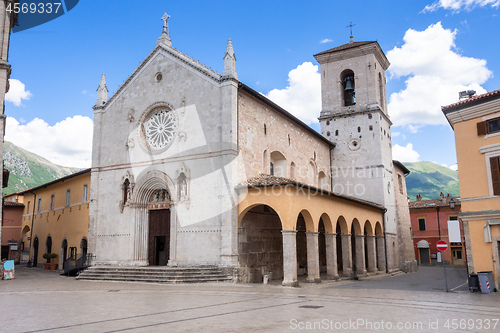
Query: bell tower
354, 116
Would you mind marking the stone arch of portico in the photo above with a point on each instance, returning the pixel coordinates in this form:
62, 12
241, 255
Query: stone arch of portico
308, 219
243, 212
260, 244
146, 186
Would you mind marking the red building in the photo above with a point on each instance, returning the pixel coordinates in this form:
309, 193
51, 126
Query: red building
429, 223
11, 229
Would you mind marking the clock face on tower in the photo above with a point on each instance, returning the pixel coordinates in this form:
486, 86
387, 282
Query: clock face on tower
160, 129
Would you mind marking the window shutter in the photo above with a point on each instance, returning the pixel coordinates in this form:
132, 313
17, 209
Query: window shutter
495, 174
482, 128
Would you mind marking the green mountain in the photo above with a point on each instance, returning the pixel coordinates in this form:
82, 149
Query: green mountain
29, 170
430, 179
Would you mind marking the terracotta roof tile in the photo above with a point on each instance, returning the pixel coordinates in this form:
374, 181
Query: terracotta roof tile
434, 203
345, 47
263, 180
471, 100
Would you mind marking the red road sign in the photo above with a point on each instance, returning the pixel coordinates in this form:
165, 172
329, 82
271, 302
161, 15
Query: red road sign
29, 238
442, 245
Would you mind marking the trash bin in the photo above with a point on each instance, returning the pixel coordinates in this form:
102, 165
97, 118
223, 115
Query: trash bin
473, 283
485, 281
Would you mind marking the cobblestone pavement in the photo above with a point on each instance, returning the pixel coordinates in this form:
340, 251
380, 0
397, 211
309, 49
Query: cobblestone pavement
43, 301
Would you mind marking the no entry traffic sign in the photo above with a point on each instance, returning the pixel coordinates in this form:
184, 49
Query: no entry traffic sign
442, 245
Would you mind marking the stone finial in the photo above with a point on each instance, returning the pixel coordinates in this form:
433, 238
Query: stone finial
102, 92
229, 61
164, 39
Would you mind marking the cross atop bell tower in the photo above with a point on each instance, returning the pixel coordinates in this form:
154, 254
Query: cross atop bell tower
352, 38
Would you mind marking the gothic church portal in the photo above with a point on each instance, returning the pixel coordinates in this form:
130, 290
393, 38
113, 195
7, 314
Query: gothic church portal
191, 167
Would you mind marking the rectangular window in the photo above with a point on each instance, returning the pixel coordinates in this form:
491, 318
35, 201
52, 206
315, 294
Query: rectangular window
39, 205
421, 224
488, 126
452, 218
52, 202
68, 194
85, 192
495, 174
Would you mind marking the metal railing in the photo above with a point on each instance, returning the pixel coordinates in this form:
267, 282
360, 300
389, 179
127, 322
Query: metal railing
73, 266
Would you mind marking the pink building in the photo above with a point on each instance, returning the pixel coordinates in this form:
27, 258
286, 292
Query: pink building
429, 223
11, 229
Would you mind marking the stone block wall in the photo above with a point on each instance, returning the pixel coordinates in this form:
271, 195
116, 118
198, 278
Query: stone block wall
260, 247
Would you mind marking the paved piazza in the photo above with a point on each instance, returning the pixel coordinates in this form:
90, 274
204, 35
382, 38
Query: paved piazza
43, 301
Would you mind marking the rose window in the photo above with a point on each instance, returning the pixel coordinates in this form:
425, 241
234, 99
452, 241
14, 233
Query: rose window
160, 129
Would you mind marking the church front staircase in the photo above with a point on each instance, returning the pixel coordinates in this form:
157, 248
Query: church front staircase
157, 274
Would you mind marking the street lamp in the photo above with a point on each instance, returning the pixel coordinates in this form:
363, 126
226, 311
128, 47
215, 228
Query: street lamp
452, 204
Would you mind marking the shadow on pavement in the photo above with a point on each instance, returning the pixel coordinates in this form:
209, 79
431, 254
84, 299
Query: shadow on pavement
428, 278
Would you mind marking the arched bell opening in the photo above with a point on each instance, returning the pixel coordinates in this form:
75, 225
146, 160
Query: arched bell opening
348, 87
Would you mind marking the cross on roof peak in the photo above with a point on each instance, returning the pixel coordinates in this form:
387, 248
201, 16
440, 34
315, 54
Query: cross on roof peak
350, 26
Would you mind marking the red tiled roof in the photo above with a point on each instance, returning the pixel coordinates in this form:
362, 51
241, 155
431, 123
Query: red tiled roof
345, 47
434, 203
264, 180
472, 100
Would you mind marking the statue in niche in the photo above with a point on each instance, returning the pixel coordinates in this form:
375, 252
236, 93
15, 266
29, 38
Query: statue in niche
182, 186
161, 196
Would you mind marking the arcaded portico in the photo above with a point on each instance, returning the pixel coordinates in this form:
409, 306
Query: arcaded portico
286, 229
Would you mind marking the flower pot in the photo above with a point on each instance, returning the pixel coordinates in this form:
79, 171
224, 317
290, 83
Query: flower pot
46, 266
52, 266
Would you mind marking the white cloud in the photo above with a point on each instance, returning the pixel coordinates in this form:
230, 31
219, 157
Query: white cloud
17, 92
458, 5
326, 40
405, 154
453, 167
434, 74
302, 96
67, 143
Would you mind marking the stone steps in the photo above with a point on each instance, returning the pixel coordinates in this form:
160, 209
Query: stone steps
156, 274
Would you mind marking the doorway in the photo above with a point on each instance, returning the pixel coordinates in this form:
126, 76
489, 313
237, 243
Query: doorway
35, 252
457, 256
425, 258
159, 237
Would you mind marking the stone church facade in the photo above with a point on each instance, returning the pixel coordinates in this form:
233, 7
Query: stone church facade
191, 167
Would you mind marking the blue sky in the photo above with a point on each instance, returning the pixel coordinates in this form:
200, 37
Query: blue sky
436, 48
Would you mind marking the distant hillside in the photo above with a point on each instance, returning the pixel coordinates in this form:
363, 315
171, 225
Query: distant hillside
29, 170
430, 179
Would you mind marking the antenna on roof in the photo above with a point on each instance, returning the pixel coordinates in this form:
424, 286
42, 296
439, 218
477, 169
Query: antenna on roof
466, 94
350, 26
